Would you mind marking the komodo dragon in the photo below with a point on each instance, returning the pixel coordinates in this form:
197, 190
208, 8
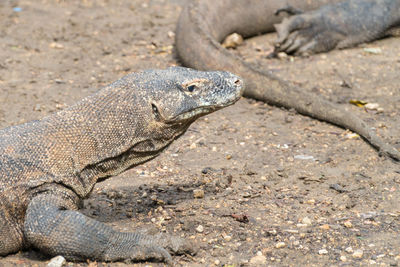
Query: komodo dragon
203, 24
48, 166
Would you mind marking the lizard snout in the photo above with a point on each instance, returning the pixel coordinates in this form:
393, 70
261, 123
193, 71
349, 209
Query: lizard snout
236, 81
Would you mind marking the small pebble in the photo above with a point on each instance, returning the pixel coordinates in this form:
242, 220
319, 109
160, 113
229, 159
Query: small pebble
258, 260
171, 34
373, 50
310, 201
282, 55
348, 224
280, 245
193, 146
304, 157
322, 252
352, 136
217, 262
57, 261
325, 227
232, 41
306, 220
343, 258
371, 106
200, 228
56, 45
349, 250
358, 253
228, 238
198, 193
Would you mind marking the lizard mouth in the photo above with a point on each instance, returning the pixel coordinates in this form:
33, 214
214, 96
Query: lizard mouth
193, 114
198, 112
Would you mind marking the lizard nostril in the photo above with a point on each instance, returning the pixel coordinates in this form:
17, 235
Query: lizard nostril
238, 82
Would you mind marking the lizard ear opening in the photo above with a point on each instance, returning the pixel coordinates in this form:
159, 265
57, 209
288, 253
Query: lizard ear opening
156, 113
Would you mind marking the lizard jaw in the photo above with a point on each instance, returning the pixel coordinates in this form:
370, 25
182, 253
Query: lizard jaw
198, 112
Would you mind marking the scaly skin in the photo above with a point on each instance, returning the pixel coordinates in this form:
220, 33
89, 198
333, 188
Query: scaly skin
48, 166
203, 24
338, 25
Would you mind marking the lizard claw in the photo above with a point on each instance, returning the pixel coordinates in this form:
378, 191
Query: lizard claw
152, 252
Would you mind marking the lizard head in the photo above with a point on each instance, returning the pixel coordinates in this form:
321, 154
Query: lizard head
186, 94
150, 109
171, 99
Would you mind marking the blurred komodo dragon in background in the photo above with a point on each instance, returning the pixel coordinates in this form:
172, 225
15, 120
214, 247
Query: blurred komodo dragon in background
48, 166
203, 24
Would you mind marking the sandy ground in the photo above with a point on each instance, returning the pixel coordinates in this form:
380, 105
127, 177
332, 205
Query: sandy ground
280, 189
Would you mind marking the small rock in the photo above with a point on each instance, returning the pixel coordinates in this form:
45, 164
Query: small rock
200, 228
322, 252
57, 261
349, 250
348, 224
56, 45
372, 106
171, 34
338, 188
352, 136
232, 41
373, 50
37, 107
227, 238
325, 227
310, 201
306, 220
258, 260
358, 253
282, 55
343, 258
304, 157
198, 193
280, 245
217, 262
193, 146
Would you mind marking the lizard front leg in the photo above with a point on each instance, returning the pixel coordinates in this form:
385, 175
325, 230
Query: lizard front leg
338, 25
55, 230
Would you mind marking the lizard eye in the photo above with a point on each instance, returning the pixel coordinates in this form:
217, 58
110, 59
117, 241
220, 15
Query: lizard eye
194, 86
191, 88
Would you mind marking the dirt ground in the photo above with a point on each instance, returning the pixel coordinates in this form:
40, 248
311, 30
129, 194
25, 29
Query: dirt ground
280, 189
